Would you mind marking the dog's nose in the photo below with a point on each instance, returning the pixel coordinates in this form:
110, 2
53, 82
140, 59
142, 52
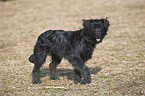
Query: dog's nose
98, 36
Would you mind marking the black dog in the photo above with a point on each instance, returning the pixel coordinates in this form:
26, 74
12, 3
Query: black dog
75, 46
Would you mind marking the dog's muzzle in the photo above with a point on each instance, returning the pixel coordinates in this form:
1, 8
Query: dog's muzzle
98, 38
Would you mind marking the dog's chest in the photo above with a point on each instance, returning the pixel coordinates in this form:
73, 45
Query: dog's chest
87, 49
86, 52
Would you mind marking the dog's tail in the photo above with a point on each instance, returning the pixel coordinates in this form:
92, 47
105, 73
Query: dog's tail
31, 58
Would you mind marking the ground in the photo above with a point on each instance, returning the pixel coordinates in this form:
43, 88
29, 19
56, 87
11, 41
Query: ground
118, 63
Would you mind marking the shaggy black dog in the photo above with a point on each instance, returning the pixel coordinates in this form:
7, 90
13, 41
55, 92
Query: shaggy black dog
75, 46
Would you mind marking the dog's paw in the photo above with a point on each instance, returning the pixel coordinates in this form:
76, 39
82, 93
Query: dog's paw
86, 77
36, 81
86, 81
54, 77
77, 79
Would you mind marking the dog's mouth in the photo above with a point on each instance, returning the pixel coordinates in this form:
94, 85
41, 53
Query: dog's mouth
97, 40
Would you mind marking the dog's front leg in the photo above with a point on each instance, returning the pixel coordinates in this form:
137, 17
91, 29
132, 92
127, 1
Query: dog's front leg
87, 76
77, 76
82, 72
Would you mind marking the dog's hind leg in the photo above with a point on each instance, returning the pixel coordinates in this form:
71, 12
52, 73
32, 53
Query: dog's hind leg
52, 66
39, 58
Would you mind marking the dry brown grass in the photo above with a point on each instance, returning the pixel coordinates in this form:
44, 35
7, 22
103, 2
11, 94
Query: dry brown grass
117, 66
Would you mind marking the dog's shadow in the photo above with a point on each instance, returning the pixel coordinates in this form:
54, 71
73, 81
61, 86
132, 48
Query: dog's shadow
66, 72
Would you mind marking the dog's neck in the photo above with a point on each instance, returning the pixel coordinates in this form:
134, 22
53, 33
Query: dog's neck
87, 39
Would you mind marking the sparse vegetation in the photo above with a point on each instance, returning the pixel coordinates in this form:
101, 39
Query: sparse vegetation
117, 68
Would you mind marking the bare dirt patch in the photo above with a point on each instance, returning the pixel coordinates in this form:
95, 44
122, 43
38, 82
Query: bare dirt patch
117, 66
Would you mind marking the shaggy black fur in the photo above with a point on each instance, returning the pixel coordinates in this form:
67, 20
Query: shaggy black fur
75, 46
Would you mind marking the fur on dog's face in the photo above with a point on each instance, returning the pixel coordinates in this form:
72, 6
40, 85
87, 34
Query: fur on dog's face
97, 28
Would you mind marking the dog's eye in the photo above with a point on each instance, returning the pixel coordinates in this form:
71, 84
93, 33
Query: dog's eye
98, 26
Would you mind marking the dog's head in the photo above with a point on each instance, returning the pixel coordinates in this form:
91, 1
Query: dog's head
96, 28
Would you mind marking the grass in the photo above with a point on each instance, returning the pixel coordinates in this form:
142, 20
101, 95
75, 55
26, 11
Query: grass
117, 66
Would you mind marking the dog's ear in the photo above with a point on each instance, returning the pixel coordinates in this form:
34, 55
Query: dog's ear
84, 20
86, 23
